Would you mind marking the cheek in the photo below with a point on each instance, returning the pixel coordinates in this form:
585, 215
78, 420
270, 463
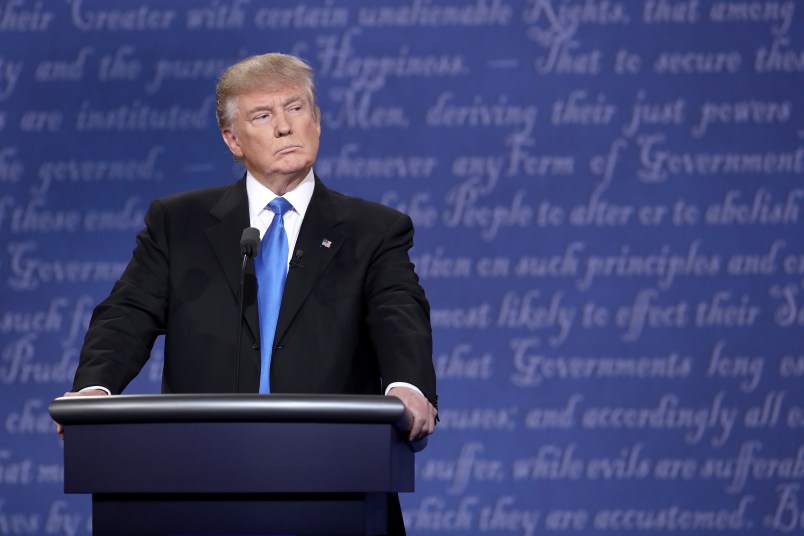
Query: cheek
314, 140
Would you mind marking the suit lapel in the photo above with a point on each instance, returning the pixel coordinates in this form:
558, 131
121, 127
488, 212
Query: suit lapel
318, 226
231, 213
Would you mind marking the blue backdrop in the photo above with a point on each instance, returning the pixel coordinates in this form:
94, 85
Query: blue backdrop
608, 200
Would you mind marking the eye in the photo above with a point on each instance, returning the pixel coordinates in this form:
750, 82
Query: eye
261, 117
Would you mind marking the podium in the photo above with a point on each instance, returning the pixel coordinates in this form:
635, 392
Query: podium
236, 464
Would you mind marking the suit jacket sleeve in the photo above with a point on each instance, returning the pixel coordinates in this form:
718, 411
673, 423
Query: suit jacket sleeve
125, 325
398, 316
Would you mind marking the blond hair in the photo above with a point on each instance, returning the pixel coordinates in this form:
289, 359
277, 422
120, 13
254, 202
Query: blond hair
267, 72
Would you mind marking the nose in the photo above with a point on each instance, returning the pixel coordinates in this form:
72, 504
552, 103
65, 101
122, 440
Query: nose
282, 127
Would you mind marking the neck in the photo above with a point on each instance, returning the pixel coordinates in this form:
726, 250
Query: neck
281, 184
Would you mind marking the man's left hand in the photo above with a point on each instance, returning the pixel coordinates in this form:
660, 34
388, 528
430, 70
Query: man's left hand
419, 412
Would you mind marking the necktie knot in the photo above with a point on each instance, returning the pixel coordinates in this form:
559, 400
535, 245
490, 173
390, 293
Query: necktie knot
279, 205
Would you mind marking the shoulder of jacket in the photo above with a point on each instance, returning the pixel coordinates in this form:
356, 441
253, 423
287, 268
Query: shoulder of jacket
200, 198
362, 208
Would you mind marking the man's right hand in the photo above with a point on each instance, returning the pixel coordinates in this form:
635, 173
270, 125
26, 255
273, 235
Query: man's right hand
88, 392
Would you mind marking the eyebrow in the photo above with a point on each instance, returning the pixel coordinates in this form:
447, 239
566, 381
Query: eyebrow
265, 107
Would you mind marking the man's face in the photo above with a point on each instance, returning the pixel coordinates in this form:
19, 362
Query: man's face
276, 134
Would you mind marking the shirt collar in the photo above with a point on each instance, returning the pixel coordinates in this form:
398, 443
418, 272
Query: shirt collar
260, 195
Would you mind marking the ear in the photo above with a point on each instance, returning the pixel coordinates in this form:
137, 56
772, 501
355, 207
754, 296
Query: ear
230, 140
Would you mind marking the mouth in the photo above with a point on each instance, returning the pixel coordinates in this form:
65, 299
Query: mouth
288, 149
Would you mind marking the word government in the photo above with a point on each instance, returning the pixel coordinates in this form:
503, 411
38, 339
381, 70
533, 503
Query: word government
532, 368
28, 271
659, 164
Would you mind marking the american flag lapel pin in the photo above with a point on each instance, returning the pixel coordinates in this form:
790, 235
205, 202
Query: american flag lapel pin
326, 243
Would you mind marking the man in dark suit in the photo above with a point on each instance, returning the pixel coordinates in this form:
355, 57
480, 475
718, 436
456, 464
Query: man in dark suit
353, 318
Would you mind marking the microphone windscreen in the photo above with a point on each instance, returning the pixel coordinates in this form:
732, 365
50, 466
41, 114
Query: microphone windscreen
250, 242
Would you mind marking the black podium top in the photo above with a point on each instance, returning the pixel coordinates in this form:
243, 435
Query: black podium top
229, 408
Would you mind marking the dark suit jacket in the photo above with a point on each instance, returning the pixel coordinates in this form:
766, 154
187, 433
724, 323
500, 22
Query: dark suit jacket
353, 317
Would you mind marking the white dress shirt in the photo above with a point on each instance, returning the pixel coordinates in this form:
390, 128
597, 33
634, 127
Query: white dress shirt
261, 217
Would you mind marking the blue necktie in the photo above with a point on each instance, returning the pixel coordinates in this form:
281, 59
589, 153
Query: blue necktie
271, 266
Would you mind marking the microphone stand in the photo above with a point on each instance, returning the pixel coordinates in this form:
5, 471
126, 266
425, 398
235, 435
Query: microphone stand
240, 312
249, 246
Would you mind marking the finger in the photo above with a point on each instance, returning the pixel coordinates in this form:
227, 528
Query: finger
416, 429
419, 424
433, 418
429, 426
426, 423
426, 419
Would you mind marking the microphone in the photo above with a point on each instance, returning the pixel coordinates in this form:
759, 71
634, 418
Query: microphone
250, 242
296, 260
249, 248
